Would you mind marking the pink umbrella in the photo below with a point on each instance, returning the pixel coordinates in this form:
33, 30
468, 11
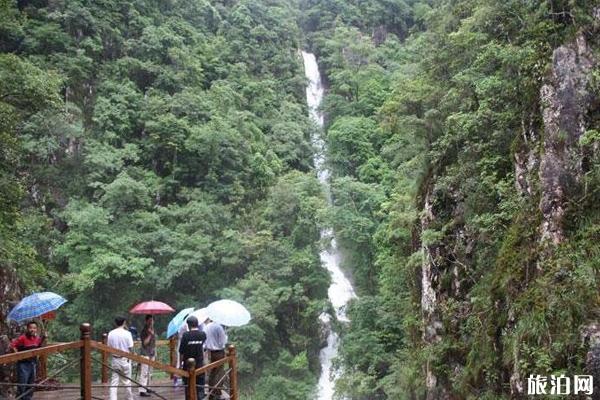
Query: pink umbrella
151, 307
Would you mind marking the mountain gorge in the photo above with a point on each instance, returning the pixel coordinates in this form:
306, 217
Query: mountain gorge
162, 149
464, 136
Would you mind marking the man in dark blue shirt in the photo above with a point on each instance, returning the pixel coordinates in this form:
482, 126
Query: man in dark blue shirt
192, 346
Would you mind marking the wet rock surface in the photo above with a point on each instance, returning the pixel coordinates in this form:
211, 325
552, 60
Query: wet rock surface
565, 103
10, 292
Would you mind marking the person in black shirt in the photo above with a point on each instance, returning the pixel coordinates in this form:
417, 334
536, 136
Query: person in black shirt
192, 346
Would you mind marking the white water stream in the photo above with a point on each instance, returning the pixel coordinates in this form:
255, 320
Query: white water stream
341, 290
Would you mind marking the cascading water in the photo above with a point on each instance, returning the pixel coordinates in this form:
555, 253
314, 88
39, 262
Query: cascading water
341, 290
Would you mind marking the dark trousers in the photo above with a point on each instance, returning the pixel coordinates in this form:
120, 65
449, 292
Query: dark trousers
199, 386
25, 375
216, 374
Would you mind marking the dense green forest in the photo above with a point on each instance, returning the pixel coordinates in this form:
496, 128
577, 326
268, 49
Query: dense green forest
162, 149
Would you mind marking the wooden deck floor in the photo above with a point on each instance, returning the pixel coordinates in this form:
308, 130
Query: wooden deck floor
169, 392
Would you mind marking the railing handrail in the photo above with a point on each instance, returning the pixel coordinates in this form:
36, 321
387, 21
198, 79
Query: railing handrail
160, 342
86, 345
140, 359
50, 349
205, 368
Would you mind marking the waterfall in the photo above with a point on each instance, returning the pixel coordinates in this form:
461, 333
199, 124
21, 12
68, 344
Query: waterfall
341, 291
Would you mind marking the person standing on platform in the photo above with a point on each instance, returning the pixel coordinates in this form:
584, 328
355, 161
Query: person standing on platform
192, 346
120, 338
182, 329
202, 327
148, 350
216, 340
26, 369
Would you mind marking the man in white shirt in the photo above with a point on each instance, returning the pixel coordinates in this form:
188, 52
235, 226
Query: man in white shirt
120, 338
216, 340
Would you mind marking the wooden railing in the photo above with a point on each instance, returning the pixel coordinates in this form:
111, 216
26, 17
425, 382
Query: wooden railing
171, 344
86, 345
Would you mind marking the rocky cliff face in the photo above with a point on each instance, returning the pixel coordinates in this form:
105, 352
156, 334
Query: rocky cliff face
430, 292
565, 101
10, 291
442, 281
549, 166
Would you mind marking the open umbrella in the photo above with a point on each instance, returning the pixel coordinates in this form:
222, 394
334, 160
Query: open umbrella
177, 321
151, 307
201, 314
35, 305
228, 312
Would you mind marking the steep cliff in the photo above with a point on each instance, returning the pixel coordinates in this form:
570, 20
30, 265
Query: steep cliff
551, 159
566, 101
10, 292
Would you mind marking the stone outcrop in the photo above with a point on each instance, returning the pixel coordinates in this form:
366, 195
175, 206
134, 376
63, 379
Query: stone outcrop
442, 277
555, 154
10, 292
526, 158
429, 279
565, 103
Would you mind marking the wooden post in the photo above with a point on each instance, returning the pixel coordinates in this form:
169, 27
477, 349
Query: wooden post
173, 353
43, 374
86, 362
104, 359
191, 388
43, 359
231, 353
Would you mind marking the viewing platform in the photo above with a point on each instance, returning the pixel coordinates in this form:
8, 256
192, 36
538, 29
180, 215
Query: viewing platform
93, 356
163, 388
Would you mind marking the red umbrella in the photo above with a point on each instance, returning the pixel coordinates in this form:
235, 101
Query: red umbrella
151, 307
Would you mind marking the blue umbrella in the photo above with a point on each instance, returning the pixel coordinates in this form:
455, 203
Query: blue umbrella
35, 305
176, 322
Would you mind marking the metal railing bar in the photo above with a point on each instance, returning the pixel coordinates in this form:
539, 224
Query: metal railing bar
217, 387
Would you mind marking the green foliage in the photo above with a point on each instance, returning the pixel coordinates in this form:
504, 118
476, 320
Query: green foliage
350, 144
162, 149
165, 153
434, 102
26, 92
354, 216
286, 378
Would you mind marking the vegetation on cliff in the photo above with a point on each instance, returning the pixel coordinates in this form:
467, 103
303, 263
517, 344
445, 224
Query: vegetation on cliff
469, 223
